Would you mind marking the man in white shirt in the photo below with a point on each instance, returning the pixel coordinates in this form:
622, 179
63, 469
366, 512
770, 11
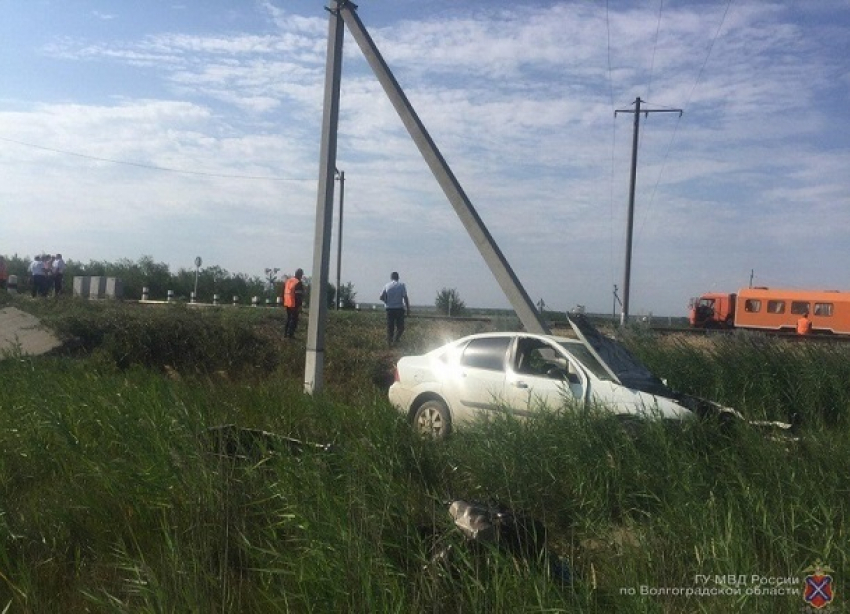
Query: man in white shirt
58, 274
38, 278
396, 302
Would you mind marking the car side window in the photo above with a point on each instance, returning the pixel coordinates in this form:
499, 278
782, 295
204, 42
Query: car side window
534, 357
487, 353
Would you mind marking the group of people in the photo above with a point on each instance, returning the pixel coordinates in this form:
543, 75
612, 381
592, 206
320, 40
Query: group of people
47, 272
394, 297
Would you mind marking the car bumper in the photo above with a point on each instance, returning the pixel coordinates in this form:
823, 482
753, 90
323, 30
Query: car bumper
401, 397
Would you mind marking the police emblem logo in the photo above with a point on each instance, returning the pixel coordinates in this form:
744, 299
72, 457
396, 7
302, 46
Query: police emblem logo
818, 588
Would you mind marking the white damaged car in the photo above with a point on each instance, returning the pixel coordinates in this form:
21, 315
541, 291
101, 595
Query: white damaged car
522, 373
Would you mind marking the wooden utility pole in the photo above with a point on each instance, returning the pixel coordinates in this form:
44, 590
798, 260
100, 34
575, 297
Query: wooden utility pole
624, 314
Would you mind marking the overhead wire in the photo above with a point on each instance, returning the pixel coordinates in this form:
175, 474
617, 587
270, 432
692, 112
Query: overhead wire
654, 49
648, 94
708, 54
614, 129
679, 120
153, 167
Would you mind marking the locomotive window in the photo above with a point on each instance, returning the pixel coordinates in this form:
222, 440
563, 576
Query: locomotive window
776, 306
752, 305
799, 307
823, 309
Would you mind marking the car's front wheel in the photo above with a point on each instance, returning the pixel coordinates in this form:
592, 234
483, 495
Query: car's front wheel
432, 419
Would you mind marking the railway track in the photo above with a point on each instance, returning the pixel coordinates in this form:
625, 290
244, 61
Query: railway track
785, 335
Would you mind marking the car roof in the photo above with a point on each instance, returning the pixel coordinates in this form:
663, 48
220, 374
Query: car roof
556, 338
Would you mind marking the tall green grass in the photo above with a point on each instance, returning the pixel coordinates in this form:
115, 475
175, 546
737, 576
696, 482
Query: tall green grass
115, 496
776, 378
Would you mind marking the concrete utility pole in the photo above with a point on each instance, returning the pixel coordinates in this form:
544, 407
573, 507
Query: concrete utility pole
315, 358
624, 315
341, 176
198, 263
615, 301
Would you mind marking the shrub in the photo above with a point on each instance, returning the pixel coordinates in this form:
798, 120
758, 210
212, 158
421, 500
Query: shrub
448, 302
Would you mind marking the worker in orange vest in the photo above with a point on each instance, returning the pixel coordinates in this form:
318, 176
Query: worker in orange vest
804, 324
293, 297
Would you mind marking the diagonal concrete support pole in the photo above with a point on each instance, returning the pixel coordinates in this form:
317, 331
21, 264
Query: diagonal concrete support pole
493, 256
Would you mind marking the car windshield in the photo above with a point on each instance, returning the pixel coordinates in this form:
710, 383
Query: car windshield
628, 369
580, 352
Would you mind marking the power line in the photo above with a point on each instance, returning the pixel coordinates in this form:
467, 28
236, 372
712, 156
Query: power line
708, 54
654, 48
648, 207
153, 167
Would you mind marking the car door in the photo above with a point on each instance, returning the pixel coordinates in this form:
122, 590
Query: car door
542, 375
480, 382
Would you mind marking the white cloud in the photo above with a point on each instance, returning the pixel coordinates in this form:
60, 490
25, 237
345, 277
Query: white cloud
520, 99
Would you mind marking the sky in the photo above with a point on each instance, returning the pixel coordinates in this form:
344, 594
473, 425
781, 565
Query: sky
184, 128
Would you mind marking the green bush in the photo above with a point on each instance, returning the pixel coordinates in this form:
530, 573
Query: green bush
448, 302
187, 339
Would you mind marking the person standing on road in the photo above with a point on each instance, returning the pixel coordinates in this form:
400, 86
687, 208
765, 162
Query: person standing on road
396, 302
58, 274
293, 297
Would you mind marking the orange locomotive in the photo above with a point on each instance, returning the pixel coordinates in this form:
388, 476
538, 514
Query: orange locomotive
773, 309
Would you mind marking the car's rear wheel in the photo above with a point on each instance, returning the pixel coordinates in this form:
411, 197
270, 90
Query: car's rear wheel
432, 419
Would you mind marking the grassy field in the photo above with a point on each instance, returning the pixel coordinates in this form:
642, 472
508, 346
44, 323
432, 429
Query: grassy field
119, 494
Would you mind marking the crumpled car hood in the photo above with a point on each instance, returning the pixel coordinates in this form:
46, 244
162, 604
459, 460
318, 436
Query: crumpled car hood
626, 369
